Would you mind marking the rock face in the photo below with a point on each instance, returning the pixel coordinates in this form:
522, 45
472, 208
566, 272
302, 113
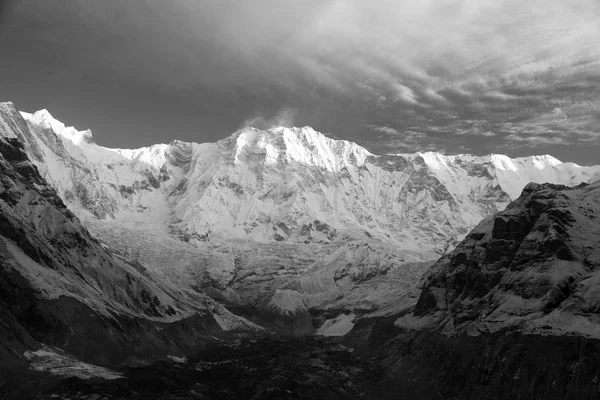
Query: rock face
512, 312
279, 209
534, 264
59, 286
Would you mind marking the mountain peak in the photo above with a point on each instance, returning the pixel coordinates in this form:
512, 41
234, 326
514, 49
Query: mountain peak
7, 104
44, 119
43, 114
539, 162
8, 120
304, 145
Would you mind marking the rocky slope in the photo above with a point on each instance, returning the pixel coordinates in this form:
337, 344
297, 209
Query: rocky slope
62, 290
512, 312
267, 216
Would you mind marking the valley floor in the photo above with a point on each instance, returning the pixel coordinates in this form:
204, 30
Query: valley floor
387, 363
268, 367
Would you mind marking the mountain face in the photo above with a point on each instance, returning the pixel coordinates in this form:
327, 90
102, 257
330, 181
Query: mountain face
62, 290
302, 233
534, 265
513, 310
278, 214
279, 184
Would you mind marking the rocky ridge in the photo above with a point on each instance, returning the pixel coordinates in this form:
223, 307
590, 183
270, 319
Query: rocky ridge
511, 312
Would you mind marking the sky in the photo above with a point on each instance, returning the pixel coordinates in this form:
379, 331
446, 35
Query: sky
455, 76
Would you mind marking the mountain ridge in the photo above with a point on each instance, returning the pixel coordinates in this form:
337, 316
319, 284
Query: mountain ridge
512, 311
280, 147
44, 116
266, 211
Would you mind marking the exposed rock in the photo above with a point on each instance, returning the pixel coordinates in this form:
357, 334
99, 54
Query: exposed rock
510, 313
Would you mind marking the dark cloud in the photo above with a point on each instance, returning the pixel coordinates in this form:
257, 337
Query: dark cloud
5, 7
446, 74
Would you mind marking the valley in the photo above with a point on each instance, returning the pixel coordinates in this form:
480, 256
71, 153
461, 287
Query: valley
284, 213
281, 263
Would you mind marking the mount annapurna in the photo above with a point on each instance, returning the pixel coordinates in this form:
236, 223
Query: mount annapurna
285, 221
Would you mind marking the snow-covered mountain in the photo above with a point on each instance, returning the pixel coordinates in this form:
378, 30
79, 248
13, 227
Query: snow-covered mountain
61, 288
273, 185
279, 209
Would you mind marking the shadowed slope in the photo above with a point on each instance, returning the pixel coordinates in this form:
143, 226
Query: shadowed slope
512, 312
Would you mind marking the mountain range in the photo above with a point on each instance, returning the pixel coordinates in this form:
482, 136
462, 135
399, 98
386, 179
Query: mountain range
164, 250
279, 221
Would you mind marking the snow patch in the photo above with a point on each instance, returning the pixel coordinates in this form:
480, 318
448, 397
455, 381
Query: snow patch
287, 302
503, 162
230, 322
179, 360
338, 326
57, 362
154, 155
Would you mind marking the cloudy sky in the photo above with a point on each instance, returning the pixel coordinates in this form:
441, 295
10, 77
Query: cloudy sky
518, 77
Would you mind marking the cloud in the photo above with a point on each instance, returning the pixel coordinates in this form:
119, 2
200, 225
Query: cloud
384, 129
284, 117
409, 50
5, 6
485, 71
392, 141
534, 140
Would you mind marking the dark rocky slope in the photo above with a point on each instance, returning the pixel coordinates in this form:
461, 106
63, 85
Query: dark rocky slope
512, 312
